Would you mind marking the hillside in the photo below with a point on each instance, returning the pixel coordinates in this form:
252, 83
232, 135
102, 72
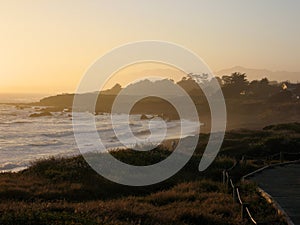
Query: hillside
68, 191
252, 104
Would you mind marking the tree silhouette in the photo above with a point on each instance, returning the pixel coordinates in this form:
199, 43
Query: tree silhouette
235, 85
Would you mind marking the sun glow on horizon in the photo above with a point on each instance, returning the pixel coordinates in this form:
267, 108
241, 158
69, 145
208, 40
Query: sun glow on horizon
46, 46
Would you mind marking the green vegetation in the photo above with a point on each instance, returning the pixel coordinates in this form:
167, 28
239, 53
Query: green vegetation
68, 191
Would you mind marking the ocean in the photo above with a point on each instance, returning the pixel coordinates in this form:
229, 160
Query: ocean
21, 97
24, 139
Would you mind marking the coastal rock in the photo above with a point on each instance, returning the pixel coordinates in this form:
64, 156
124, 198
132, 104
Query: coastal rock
67, 110
144, 117
21, 107
41, 114
52, 109
98, 113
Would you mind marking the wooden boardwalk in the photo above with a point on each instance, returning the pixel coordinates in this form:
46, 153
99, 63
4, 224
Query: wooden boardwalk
283, 184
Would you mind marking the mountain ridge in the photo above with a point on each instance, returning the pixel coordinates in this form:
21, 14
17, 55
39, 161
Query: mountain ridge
257, 74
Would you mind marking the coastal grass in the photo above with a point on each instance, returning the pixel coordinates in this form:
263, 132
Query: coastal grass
199, 202
69, 191
73, 179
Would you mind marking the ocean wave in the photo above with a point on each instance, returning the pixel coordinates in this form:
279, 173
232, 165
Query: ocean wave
12, 167
142, 132
8, 114
16, 122
45, 143
58, 134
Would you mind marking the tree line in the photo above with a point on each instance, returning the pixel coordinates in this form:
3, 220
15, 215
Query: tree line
238, 86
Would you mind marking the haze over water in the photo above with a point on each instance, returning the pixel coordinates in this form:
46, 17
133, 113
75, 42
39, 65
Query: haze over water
20, 97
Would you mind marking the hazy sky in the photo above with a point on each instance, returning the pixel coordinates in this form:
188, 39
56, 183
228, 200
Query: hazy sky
46, 46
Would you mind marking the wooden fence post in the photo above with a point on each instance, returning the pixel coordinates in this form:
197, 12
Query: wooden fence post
243, 210
234, 195
227, 181
243, 161
281, 157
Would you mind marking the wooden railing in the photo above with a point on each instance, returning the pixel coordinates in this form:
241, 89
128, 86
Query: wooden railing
245, 212
244, 207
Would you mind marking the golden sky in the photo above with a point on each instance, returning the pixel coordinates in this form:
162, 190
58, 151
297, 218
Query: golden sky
47, 45
132, 73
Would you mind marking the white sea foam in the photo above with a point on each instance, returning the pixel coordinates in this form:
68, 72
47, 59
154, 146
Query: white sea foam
24, 140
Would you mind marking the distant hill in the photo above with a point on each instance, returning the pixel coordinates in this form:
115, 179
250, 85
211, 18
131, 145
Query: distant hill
113, 91
249, 104
254, 74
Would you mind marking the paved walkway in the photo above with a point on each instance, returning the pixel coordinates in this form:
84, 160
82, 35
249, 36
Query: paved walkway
283, 184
